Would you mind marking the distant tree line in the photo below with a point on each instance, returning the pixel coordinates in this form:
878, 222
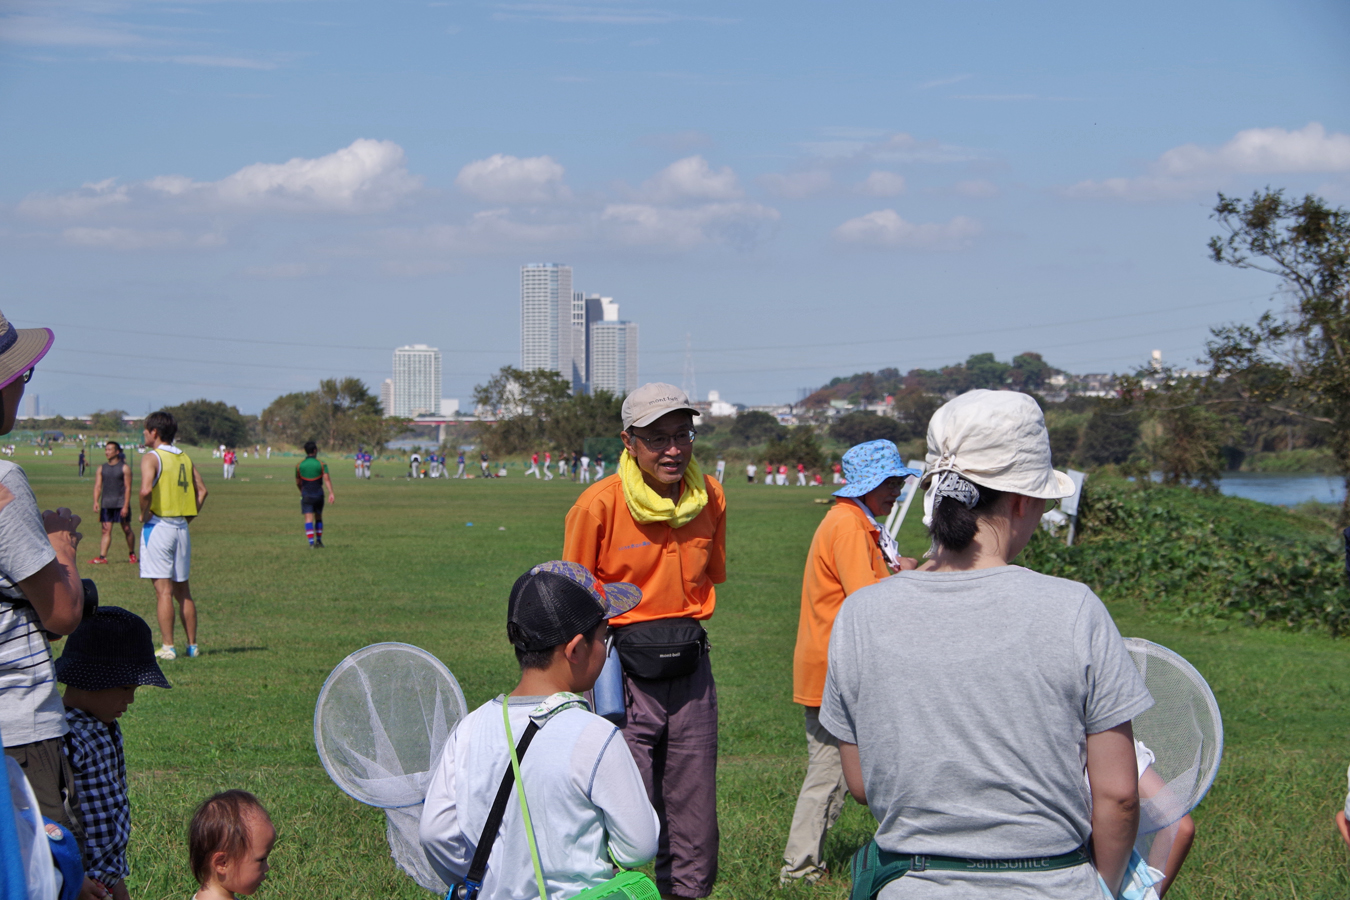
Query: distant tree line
341, 415
536, 410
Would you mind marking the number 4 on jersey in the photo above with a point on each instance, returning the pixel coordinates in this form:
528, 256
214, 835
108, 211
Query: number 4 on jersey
182, 477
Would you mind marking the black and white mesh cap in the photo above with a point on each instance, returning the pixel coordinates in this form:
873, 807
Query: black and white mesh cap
555, 601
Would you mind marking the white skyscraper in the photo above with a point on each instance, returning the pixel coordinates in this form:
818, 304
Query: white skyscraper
387, 396
417, 380
548, 334
611, 348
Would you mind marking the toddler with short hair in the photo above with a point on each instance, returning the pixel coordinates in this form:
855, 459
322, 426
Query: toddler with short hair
107, 657
229, 841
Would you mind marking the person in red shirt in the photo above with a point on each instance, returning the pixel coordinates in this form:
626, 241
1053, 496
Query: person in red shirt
660, 523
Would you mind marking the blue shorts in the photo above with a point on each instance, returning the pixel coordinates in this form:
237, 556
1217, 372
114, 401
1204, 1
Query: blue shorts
312, 503
113, 514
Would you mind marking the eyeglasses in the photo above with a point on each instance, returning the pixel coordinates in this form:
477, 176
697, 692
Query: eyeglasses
28, 376
1052, 505
661, 442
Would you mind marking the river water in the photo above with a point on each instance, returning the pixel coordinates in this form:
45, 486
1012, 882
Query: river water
1283, 488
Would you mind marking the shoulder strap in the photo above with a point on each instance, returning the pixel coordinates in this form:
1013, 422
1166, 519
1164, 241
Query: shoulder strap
478, 867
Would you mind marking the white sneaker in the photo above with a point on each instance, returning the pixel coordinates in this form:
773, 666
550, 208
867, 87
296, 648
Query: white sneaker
166, 652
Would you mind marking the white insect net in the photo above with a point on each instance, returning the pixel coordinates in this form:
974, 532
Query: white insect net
1184, 732
380, 724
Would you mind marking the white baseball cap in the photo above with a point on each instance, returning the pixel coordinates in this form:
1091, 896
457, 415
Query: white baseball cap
652, 401
998, 440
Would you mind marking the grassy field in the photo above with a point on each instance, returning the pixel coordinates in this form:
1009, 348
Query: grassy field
402, 564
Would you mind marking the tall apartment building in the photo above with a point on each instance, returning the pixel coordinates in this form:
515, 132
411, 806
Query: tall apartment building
549, 334
417, 380
611, 348
387, 397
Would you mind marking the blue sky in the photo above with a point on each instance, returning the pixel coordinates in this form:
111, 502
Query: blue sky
235, 199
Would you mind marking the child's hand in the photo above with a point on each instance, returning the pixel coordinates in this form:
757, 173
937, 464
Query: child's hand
93, 890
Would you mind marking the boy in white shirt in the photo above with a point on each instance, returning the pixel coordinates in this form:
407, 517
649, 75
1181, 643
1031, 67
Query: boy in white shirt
586, 798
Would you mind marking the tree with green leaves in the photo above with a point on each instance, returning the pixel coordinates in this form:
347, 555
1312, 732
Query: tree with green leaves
860, 427
341, 415
109, 421
1296, 361
206, 422
536, 410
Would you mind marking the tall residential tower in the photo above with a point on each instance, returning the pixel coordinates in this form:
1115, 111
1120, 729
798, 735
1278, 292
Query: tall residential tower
549, 337
417, 381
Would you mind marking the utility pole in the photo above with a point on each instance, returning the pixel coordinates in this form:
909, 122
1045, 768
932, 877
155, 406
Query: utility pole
690, 383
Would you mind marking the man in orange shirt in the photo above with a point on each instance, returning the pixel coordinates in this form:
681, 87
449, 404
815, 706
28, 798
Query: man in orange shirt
849, 551
660, 523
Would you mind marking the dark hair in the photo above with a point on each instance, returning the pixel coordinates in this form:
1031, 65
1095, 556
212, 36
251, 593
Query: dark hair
115, 444
311, 448
220, 825
954, 526
162, 423
542, 659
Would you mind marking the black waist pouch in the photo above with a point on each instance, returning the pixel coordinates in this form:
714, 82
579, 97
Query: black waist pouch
661, 650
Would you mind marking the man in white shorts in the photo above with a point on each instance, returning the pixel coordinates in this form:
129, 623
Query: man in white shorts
172, 494
585, 469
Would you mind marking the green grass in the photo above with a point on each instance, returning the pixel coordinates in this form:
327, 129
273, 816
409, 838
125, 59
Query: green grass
402, 565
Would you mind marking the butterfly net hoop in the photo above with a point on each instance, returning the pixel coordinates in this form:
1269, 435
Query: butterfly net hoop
380, 724
1183, 731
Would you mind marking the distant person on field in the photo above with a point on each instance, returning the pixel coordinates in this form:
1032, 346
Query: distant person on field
40, 593
750, 470
599, 466
837, 472
230, 457
483, 464
768, 473
585, 469
548, 465
110, 655
576, 461
586, 797
81, 463
850, 550
311, 477
112, 501
534, 466
172, 494
662, 522
968, 695
782, 475
801, 475
229, 840
414, 465
720, 472
459, 461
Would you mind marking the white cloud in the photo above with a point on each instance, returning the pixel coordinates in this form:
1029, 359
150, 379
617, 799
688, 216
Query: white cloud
509, 179
883, 184
54, 31
692, 178
796, 185
1264, 151
1191, 169
138, 239
977, 189
737, 223
862, 146
367, 175
218, 62
885, 228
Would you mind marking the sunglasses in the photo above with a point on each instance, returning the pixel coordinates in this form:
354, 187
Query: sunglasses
28, 376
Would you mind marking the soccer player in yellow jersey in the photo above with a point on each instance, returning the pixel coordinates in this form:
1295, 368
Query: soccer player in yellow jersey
172, 494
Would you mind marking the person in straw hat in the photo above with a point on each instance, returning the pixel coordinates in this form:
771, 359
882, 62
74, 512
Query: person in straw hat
40, 593
968, 694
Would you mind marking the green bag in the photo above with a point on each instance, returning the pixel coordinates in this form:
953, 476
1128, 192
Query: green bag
873, 868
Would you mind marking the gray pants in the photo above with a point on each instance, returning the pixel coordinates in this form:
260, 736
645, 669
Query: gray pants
671, 730
819, 803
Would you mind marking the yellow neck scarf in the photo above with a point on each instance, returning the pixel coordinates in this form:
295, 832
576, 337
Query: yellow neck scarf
648, 506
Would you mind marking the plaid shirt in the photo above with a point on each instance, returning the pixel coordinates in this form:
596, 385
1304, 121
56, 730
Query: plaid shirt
95, 753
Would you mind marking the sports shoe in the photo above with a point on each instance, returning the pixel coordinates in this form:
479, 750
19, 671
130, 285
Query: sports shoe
166, 652
318, 542
98, 561
193, 652
133, 558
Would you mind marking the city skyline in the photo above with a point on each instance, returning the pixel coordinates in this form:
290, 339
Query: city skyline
417, 386
282, 192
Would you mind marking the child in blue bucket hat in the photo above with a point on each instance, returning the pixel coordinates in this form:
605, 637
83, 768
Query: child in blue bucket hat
850, 551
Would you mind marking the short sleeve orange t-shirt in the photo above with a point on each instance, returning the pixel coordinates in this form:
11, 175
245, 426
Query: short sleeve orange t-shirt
675, 567
844, 557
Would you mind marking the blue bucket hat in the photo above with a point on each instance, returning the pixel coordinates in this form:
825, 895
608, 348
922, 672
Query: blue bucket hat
868, 465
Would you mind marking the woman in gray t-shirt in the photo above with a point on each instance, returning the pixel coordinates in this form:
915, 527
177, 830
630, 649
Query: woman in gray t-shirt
969, 695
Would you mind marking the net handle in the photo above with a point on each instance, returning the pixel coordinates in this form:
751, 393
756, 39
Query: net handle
524, 806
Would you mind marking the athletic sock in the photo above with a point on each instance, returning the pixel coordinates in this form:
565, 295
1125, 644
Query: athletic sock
309, 532
318, 528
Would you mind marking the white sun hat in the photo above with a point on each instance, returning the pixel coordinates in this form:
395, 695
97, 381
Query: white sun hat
995, 439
